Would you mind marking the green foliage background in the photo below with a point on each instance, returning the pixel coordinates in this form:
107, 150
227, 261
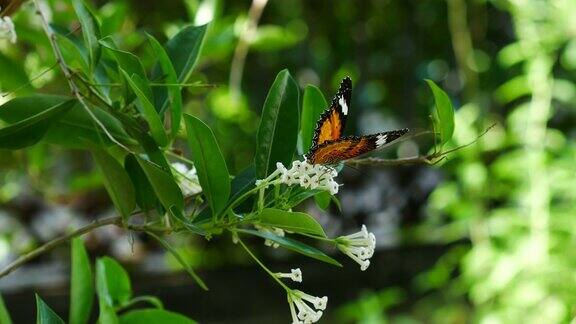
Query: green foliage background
506, 205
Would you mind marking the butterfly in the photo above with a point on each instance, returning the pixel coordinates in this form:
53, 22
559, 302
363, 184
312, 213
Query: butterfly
328, 145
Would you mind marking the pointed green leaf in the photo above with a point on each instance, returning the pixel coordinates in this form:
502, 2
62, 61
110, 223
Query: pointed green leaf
4, 315
294, 245
44, 314
313, 105
209, 162
126, 60
443, 114
112, 283
174, 94
147, 108
29, 131
81, 284
117, 183
73, 129
154, 316
183, 50
90, 30
163, 184
291, 221
278, 131
145, 196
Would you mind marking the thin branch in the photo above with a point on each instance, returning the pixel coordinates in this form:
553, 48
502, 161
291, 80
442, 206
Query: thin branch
377, 162
241, 51
425, 159
57, 241
68, 74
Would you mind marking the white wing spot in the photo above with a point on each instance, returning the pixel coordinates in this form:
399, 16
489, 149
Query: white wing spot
381, 139
344, 106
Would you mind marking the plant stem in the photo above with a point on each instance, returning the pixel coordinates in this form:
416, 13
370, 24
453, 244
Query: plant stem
262, 264
116, 220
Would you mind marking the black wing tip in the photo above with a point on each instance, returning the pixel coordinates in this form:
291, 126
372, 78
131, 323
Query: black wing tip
345, 84
393, 135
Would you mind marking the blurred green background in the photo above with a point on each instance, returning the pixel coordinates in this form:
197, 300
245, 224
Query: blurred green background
486, 236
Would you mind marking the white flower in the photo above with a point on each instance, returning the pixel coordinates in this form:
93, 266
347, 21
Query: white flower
302, 312
294, 275
306, 175
7, 29
187, 179
359, 246
270, 230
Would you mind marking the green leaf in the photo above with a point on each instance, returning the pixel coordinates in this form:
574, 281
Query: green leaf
154, 316
29, 131
291, 221
145, 196
73, 129
242, 183
209, 162
126, 60
313, 105
322, 200
74, 52
183, 50
112, 283
443, 114
44, 314
278, 131
4, 315
174, 94
294, 245
81, 284
90, 30
147, 108
163, 184
117, 183
180, 260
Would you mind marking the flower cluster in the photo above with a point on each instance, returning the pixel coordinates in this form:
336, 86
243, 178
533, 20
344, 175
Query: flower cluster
359, 246
270, 230
294, 275
187, 179
308, 176
7, 29
301, 311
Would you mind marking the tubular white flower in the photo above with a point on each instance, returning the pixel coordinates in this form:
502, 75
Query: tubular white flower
187, 179
302, 312
306, 175
358, 246
270, 230
294, 275
7, 29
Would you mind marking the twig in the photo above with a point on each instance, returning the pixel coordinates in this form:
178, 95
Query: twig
68, 74
57, 241
389, 162
241, 51
426, 159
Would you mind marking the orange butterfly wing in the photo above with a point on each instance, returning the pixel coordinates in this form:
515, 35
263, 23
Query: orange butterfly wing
331, 124
345, 148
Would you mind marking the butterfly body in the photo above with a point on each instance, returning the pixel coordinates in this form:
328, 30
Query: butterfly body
328, 145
